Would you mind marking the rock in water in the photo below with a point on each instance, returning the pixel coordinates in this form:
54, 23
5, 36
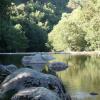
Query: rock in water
58, 66
36, 93
25, 78
11, 68
6, 70
3, 73
93, 93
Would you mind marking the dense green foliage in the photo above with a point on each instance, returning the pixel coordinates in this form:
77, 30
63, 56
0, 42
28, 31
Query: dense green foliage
12, 37
27, 26
37, 25
79, 30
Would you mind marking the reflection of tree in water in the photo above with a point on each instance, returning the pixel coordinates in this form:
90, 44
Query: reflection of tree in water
2, 59
92, 72
76, 63
84, 73
10, 59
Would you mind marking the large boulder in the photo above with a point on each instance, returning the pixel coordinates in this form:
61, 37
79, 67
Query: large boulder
36, 93
25, 78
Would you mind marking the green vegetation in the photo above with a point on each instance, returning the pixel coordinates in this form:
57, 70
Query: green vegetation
78, 30
12, 37
37, 25
26, 23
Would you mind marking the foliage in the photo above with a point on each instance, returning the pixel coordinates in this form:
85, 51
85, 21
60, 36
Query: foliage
4, 7
26, 24
12, 38
78, 30
37, 19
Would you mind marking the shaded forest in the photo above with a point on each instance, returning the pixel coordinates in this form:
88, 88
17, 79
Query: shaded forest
46, 25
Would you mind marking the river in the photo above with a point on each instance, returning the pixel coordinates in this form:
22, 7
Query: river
81, 77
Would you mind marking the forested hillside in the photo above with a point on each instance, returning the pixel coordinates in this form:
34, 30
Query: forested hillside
44, 25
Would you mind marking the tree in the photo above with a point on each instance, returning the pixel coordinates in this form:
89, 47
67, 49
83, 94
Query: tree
37, 19
67, 35
25, 24
78, 30
12, 38
4, 7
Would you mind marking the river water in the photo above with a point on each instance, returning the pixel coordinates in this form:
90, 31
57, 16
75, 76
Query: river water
81, 77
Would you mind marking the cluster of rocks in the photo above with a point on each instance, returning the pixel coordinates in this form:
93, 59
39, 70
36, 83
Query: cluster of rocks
30, 84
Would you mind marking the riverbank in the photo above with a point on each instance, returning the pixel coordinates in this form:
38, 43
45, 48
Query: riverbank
58, 52
85, 53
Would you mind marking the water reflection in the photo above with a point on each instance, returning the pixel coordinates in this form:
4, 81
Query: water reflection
11, 59
81, 78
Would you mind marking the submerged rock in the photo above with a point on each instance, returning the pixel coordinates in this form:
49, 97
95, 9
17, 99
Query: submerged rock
36, 93
25, 78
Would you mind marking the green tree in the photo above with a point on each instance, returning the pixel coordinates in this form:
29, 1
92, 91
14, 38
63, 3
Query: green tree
4, 7
12, 38
25, 24
78, 30
37, 19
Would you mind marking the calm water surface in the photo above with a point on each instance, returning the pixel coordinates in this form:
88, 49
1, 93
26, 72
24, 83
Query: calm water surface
81, 78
